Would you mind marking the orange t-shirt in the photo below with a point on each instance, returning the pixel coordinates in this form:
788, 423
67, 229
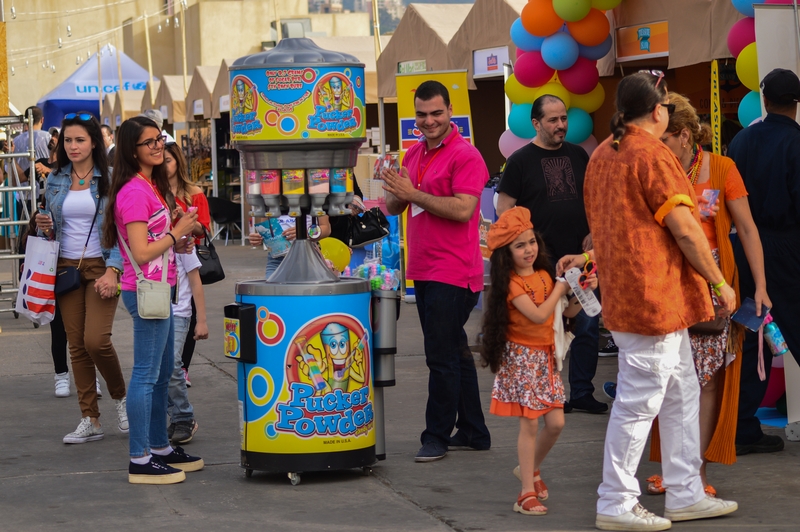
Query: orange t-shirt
734, 189
521, 330
649, 287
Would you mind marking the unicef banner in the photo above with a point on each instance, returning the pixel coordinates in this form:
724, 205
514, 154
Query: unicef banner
311, 390
299, 103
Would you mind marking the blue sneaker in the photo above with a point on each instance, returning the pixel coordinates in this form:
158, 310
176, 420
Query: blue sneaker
430, 452
610, 389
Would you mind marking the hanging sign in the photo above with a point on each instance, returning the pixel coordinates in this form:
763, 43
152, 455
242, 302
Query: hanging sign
643, 41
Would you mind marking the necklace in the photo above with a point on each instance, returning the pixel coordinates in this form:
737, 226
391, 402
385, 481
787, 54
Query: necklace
82, 180
694, 166
530, 290
154, 189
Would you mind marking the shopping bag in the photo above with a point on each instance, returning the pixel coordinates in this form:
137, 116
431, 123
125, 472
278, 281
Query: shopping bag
36, 299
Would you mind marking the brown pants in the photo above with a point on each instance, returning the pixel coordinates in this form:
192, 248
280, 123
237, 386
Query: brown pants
88, 319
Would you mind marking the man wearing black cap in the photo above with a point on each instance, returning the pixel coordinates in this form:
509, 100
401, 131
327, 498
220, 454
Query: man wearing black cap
767, 155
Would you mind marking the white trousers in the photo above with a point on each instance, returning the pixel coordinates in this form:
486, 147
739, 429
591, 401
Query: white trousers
656, 378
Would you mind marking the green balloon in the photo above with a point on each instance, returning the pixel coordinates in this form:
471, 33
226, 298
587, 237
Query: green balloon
572, 10
605, 5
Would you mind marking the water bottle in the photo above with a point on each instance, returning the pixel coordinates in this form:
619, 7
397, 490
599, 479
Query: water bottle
774, 337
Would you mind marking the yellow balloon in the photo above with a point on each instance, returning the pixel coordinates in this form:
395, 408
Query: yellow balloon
591, 101
335, 251
556, 89
747, 67
519, 93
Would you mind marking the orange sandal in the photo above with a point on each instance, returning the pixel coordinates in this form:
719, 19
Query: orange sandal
654, 487
528, 504
540, 486
710, 491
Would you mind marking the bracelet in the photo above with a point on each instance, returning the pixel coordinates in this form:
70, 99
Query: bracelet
717, 286
116, 270
586, 256
174, 242
119, 290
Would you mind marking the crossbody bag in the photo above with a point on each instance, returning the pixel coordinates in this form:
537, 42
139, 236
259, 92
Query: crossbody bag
152, 297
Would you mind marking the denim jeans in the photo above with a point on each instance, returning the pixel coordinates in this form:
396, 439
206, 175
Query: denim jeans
453, 396
178, 405
272, 265
583, 354
147, 391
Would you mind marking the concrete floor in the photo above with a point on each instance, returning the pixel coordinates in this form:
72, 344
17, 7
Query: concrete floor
47, 485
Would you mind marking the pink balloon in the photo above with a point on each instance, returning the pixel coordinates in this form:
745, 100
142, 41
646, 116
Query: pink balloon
581, 77
509, 143
520, 52
741, 34
589, 145
531, 70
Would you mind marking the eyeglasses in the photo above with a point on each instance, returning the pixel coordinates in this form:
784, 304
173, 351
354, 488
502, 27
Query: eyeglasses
664, 138
656, 73
80, 116
670, 107
153, 143
588, 269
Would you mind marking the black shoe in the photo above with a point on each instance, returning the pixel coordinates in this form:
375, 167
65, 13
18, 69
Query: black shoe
170, 430
587, 403
459, 442
767, 444
154, 472
610, 349
430, 452
180, 460
184, 431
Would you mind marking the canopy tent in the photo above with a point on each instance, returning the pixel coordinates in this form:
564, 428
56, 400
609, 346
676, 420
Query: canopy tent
171, 99
107, 114
364, 49
487, 25
79, 92
221, 95
127, 104
198, 96
149, 97
422, 35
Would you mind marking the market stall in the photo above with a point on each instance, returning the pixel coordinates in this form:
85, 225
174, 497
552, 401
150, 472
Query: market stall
127, 104
197, 142
107, 113
150, 93
171, 101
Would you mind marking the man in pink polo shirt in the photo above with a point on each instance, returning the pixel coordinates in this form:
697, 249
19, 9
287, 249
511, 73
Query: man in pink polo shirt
440, 183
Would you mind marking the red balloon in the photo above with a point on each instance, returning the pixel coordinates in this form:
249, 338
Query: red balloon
590, 30
581, 77
741, 34
531, 70
540, 19
520, 52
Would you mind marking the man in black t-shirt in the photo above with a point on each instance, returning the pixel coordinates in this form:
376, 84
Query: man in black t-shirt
546, 177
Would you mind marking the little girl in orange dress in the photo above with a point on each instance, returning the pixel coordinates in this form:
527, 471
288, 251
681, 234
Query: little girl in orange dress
518, 346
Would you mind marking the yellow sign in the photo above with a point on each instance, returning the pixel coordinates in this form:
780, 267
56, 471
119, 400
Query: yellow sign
716, 117
643, 41
456, 83
231, 342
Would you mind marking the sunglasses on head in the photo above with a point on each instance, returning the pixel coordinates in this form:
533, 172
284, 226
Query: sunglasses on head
80, 116
657, 73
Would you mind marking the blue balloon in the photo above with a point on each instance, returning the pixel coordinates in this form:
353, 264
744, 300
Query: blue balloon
524, 40
750, 108
595, 53
579, 125
519, 121
745, 7
560, 51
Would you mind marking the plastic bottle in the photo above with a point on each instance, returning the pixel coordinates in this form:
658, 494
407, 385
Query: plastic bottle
774, 337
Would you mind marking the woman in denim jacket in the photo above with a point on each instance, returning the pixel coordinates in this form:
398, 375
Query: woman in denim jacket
75, 191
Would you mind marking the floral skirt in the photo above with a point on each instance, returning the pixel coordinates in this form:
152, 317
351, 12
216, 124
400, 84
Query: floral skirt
527, 383
709, 350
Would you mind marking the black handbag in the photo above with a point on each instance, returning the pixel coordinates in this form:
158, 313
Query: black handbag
69, 278
368, 227
210, 267
712, 327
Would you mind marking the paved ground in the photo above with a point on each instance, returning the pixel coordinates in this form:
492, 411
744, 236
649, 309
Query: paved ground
46, 485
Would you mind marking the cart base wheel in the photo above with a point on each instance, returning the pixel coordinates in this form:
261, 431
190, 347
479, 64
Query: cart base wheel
16, 315
248, 473
366, 470
294, 478
35, 325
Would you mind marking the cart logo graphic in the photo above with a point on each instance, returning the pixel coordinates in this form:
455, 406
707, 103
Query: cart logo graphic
333, 104
270, 328
244, 107
328, 380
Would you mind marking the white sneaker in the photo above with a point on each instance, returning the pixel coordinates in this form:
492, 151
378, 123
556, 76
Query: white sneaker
99, 391
708, 507
636, 519
122, 414
86, 431
62, 384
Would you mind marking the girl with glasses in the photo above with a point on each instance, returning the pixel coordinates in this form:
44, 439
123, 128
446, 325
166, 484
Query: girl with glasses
76, 196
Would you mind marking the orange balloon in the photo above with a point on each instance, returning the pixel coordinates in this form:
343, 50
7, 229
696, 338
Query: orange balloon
540, 19
591, 30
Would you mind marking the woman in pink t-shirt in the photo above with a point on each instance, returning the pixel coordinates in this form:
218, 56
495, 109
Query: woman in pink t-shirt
141, 219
